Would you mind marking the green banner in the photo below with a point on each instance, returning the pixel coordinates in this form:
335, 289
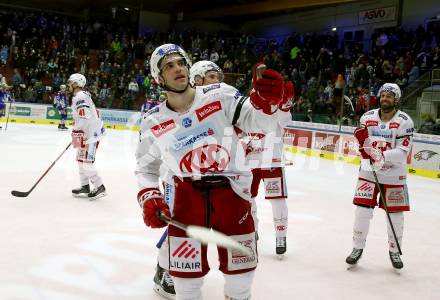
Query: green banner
21, 111
53, 114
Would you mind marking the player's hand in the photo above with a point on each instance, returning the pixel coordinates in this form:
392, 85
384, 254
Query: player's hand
376, 156
268, 89
77, 138
361, 134
287, 101
151, 200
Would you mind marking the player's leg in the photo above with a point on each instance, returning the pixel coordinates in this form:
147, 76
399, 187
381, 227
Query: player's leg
163, 282
365, 201
256, 179
396, 197
276, 192
238, 286
187, 256
232, 216
86, 158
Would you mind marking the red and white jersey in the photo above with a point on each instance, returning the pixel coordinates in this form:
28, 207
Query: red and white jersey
200, 142
86, 117
266, 151
394, 134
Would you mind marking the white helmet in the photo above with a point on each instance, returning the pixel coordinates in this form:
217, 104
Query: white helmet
78, 78
200, 68
63, 87
392, 88
162, 51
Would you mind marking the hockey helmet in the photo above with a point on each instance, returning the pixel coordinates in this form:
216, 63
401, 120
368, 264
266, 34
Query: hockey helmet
392, 88
202, 67
160, 53
77, 78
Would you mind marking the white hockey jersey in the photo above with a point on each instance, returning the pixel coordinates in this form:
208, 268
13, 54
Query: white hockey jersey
86, 117
394, 134
266, 151
201, 141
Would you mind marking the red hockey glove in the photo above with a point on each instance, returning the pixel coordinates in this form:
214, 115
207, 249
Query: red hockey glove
151, 200
77, 138
268, 90
287, 101
361, 134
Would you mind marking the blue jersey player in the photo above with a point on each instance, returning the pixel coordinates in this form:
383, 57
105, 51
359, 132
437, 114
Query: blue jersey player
61, 103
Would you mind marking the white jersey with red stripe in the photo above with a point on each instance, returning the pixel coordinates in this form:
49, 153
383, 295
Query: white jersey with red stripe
397, 133
266, 151
86, 117
200, 142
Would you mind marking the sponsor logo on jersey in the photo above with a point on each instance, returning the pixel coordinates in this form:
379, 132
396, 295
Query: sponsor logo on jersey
237, 95
371, 112
394, 125
395, 196
383, 126
424, 154
186, 122
185, 255
386, 134
211, 87
210, 158
409, 130
80, 102
371, 123
403, 116
163, 128
280, 228
207, 110
273, 187
193, 137
364, 190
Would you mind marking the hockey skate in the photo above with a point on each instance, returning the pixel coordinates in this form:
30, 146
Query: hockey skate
281, 247
396, 261
97, 193
81, 192
63, 127
163, 284
353, 258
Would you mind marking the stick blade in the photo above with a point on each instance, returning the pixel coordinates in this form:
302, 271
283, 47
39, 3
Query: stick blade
19, 194
206, 235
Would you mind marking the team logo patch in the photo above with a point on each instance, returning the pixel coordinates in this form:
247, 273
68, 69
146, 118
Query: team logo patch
186, 122
211, 87
394, 125
207, 110
383, 126
364, 190
210, 158
163, 128
185, 255
370, 123
240, 261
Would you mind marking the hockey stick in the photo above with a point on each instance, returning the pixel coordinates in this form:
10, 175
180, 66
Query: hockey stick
385, 207
25, 194
9, 112
206, 235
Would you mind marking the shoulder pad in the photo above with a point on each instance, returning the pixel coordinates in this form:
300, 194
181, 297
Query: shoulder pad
211, 87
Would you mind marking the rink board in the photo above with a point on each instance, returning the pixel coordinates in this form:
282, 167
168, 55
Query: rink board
327, 142
312, 139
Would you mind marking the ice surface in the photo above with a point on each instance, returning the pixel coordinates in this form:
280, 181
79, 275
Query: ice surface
54, 246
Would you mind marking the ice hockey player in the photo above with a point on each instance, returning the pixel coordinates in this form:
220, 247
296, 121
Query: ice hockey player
5, 96
265, 154
385, 139
86, 133
191, 134
61, 102
202, 73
